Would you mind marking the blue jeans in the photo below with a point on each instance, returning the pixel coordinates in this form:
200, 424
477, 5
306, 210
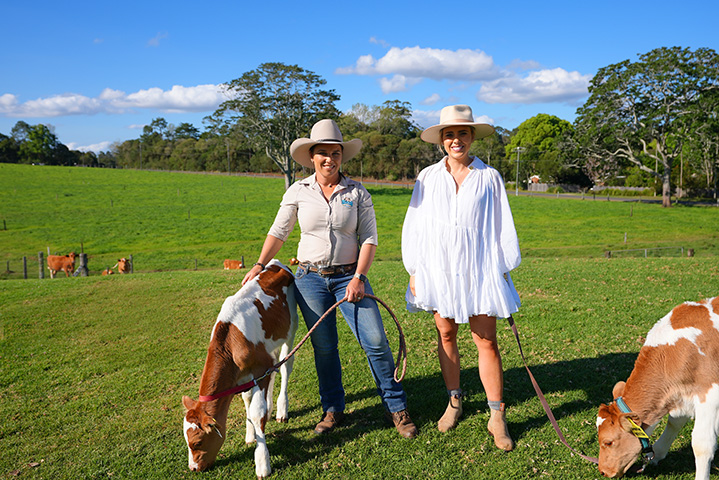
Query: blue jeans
316, 294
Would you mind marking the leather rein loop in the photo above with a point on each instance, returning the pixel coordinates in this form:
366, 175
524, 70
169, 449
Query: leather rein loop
401, 354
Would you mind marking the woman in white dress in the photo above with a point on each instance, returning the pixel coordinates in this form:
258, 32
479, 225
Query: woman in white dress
459, 245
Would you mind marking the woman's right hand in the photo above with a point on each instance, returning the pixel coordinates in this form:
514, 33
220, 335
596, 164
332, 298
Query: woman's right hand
252, 273
411, 285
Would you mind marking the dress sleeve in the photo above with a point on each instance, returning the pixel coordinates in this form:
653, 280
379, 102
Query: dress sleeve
509, 254
410, 254
286, 217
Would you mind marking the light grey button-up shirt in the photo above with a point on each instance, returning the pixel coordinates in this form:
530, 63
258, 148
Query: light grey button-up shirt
331, 232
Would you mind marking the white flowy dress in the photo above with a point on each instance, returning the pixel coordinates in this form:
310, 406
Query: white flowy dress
461, 244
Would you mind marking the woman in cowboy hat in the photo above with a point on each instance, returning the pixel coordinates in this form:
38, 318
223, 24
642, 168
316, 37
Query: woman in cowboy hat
458, 245
337, 246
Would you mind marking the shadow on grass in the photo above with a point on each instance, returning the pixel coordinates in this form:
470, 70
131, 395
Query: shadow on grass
296, 444
427, 400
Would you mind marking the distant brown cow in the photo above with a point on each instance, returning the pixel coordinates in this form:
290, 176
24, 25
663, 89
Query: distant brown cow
233, 264
66, 263
123, 265
107, 271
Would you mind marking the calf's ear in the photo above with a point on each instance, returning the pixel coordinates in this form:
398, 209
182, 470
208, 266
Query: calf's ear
626, 424
618, 390
188, 403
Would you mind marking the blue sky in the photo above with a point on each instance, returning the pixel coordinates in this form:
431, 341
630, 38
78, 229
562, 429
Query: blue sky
99, 71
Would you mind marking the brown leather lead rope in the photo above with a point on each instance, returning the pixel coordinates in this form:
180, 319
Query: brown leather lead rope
401, 353
543, 400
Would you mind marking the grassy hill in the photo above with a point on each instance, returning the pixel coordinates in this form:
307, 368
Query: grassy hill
175, 221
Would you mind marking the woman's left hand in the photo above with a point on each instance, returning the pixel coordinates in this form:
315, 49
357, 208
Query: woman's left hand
355, 290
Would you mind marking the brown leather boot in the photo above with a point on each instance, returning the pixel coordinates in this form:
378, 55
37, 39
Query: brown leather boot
451, 414
329, 421
403, 423
497, 426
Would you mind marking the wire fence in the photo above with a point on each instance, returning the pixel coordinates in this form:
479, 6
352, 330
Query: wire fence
649, 252
29, 267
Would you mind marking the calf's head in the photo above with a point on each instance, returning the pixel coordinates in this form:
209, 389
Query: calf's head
123, 265
203, 435
618, 447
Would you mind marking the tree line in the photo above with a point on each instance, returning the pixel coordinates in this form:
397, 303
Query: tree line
651, 123
38, 144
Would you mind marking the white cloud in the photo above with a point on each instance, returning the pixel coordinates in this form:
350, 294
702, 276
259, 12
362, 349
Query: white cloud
7, 102
398, 83
378, 41
520, 82
179, 99
97, 147
155, 41
431, 100
418, 62
543, 86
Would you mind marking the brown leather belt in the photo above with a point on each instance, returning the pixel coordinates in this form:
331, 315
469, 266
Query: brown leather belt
328, 270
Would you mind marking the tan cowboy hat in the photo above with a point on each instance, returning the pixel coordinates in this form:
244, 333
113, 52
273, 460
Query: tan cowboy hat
452, 116
325, 131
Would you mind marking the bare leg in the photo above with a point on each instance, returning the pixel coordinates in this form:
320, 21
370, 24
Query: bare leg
484, 334
447, 350
448, 353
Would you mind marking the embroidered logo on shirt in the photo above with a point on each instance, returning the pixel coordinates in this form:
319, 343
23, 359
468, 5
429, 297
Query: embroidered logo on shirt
347, 202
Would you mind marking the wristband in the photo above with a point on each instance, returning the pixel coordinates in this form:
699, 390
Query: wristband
260, 264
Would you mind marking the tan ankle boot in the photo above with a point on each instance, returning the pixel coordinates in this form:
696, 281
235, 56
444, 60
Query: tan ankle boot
451, 415
497, 426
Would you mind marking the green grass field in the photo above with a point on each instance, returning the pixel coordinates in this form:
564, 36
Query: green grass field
93, 369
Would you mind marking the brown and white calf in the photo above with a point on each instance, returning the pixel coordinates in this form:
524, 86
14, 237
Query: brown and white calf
233, 264
676, 373
66, 263
254, 331
123, 265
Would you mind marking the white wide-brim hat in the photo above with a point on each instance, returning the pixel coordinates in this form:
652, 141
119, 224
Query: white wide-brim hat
452, 116
326, 132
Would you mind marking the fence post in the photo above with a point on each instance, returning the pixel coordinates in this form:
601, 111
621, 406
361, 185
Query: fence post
132, 265
24, 268
83, 265
41, 263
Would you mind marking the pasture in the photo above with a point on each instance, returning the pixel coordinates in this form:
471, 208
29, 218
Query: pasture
93, 369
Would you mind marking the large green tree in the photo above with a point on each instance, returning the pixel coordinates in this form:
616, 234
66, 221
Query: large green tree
642, 110
275, 104
536, 144
40, 145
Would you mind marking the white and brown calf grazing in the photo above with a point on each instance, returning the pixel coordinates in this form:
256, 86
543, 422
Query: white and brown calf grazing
254, 331
676, 373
